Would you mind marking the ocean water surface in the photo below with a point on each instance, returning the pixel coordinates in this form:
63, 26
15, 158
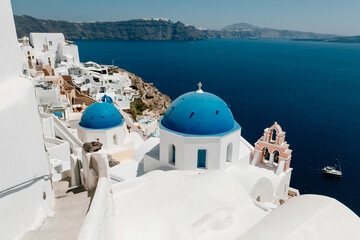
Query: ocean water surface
311, 89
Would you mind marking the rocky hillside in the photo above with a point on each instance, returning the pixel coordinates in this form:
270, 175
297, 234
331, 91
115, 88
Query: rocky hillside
258, 32
152, 29
153, 103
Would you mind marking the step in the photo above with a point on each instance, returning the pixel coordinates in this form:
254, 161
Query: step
60, 188
72, 202
62, 223
53, 234
70, 213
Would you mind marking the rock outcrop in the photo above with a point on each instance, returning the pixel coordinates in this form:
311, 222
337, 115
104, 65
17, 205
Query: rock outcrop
156, 102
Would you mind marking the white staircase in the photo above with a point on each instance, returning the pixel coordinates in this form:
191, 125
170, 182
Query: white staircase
62, 131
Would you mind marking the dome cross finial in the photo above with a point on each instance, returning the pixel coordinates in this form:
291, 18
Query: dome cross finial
200, 90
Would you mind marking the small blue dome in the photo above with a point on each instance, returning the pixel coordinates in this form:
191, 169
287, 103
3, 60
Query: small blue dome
107, 99
101, 115
199, 114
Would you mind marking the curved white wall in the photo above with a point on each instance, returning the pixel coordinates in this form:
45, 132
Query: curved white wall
23, 160
258, 187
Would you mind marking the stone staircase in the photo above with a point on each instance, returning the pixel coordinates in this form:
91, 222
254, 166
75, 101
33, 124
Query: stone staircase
70, 211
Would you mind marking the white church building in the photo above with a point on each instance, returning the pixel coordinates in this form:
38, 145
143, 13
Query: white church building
198, 133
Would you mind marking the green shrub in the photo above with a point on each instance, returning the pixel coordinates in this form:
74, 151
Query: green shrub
137, 108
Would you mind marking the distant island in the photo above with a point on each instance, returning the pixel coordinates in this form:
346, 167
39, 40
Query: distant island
152, 29
352, 39
259, 32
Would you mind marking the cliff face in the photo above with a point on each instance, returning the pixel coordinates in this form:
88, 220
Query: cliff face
152, 29
154, 101
120, 30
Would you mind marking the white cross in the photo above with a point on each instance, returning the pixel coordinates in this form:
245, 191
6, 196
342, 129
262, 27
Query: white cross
200, 90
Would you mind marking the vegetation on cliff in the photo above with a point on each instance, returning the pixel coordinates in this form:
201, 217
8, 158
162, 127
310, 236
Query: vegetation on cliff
152, 102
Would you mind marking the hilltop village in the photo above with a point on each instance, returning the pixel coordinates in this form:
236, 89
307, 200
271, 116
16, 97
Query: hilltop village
95, 152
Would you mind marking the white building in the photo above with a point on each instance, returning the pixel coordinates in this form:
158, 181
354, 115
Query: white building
198, 132
49, 49
98, 81
102, 122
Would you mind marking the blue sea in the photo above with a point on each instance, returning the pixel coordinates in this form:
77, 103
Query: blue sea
311, 89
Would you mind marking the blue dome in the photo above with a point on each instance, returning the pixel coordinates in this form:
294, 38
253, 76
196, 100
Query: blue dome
100, 116
199, 114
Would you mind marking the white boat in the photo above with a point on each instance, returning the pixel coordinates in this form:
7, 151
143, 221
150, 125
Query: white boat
333, 171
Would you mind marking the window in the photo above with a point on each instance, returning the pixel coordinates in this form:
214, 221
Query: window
115, 139
172, 156
50, 43
276, 156
266, 154
229, 152
201, 161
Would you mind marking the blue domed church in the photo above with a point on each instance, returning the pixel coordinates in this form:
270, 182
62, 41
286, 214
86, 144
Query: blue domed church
102, 122
198, 131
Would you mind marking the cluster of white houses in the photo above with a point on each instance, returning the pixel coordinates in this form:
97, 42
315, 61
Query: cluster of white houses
199, 180
49, 55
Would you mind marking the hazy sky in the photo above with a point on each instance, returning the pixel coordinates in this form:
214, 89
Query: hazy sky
323, 16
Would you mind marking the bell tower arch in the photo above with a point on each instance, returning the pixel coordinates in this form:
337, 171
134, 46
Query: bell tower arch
272, 149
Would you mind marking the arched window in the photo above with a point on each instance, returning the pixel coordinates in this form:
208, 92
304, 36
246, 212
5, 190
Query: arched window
115, 139
229, 151
276, 156
172, 155
266, 154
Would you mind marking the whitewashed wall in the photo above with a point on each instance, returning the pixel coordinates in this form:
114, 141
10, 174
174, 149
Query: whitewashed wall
24, 163
186, 149
105, 136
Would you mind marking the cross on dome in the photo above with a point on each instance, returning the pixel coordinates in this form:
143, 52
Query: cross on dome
199, 90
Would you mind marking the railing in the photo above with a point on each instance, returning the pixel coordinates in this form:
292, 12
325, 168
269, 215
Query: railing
45, 177
59, 124
99, 221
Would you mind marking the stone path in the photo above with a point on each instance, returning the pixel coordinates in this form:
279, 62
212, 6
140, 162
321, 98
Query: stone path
70, 211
